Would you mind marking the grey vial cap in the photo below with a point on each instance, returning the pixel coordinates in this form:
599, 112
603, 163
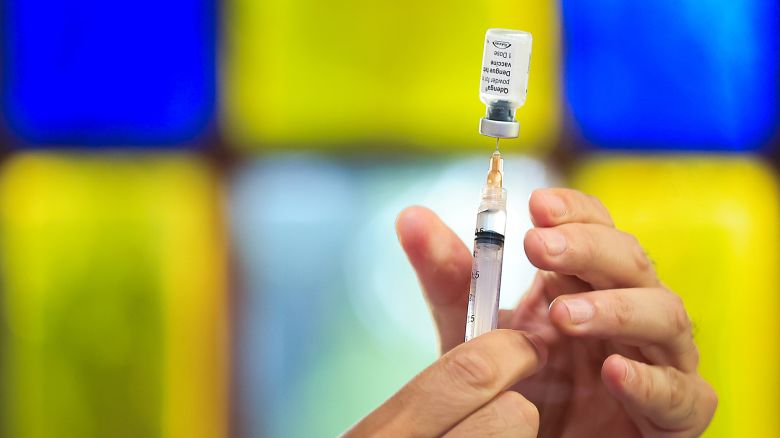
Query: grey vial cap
499, 122
497, 129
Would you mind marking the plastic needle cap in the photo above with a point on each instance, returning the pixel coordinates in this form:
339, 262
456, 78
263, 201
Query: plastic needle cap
495, 176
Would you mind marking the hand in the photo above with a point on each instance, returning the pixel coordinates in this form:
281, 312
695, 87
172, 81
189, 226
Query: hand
464, 393
622, 362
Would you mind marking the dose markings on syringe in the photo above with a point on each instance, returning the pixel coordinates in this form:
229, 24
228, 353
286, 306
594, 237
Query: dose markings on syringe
484, 291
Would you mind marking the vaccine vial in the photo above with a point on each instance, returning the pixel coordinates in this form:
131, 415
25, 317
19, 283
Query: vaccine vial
504, 81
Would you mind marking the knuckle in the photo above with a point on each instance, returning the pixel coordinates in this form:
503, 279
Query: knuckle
591, 241
707, 396
472, 370
623, 311
638, 254
522, 409
567, 195
680, 318
693, 354
595, 201
676, 389
599, 205
710, 399
648, 388
586, 247
514, 401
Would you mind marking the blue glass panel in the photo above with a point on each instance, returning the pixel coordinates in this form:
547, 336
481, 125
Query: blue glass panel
691, 74
96, 72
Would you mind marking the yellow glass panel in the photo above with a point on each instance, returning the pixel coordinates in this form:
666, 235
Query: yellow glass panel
401, 74
113, 297
711, 226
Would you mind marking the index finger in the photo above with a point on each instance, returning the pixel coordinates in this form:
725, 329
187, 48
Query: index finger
443, 266
556, 206
458, 384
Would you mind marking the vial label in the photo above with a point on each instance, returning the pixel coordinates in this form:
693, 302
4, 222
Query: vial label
505, 65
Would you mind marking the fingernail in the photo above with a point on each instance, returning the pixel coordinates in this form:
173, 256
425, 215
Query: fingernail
556, 206
553, 241
580, 310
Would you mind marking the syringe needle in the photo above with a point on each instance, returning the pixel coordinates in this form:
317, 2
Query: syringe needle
497, 143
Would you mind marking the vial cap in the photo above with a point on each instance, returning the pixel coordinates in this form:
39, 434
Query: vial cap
497, 129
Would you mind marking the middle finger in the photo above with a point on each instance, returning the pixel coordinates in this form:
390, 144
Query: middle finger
602, 256
652, 319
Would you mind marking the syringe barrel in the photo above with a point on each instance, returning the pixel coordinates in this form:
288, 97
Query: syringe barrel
485, 288
488, 260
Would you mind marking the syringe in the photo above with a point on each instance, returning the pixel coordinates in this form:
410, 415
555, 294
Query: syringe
482, 314
503, 86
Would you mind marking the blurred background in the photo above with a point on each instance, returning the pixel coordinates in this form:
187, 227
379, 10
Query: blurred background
197, 197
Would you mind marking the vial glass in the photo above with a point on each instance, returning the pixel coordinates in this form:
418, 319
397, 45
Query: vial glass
504, 82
